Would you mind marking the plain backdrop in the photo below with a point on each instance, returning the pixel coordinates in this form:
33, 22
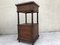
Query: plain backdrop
49, 15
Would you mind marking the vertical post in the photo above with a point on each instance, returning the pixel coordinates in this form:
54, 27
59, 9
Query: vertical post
25, 18
37, 24
18, 17
32, 17
37, 18
18, 25
32, 28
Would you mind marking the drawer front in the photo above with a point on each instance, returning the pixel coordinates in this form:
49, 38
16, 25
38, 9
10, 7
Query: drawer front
24, 8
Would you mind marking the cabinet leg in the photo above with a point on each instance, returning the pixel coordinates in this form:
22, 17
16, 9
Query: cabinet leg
18, 40
38, 35
32, 43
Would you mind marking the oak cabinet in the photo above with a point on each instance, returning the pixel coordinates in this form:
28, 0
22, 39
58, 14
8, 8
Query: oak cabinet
28, 32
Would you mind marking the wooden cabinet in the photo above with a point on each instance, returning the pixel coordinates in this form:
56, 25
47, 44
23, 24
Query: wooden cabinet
28, 32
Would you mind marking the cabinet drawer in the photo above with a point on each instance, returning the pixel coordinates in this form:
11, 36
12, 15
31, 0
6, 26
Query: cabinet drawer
26, 32
24, 8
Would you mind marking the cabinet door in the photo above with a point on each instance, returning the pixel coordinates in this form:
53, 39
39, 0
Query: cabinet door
26, 33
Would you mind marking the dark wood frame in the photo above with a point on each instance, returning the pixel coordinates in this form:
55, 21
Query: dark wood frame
32, 24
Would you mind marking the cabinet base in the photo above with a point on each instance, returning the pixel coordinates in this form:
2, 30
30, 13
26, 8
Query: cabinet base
29, 42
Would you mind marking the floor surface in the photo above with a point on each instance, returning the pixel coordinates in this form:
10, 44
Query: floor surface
46, 38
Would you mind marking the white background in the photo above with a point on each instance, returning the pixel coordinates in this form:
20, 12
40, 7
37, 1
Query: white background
49, 15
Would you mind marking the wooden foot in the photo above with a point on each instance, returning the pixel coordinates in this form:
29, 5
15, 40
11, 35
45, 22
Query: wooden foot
38, 35
32, 43
18, 40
